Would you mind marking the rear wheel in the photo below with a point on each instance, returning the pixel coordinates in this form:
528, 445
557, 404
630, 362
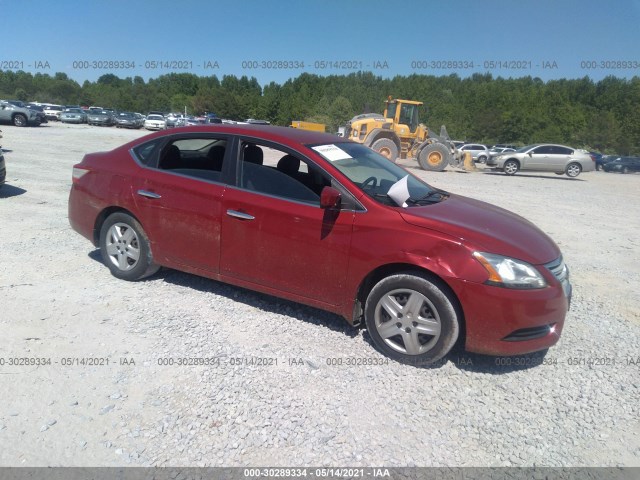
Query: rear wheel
625, 169
125, 248
386, 147
434, 157
411, 318
573, 170
511, 167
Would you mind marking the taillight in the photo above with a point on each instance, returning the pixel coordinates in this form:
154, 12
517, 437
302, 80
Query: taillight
78, 173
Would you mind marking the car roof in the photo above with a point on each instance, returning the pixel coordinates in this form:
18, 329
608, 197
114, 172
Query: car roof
267, 132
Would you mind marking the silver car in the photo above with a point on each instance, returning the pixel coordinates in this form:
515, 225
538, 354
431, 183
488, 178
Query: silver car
73, 115
479, 152
559, 159
497, 151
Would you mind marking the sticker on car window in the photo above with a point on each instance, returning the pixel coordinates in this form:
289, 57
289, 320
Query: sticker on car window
332, 153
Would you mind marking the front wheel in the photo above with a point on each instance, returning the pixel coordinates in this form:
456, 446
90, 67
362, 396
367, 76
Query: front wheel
386, 147
434, 157
511, 167
573, 170
411, 318
625, 169
125, 248
19, 120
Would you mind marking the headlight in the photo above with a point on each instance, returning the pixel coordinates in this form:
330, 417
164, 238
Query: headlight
509, 272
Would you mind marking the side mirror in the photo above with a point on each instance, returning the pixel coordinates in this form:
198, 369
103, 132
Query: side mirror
530, 154
330, 198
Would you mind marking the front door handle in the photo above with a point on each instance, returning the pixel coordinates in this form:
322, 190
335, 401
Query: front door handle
148, 194
240, 215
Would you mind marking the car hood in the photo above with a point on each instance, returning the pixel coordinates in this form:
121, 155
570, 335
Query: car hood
485, 227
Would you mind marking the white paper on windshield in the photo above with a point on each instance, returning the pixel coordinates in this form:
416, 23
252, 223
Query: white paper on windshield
332, 152
399, 191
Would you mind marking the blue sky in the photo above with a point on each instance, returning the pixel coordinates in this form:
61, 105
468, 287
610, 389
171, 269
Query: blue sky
572, 39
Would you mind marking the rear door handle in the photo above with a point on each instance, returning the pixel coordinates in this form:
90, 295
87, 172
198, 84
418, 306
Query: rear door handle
148, 194
240, 215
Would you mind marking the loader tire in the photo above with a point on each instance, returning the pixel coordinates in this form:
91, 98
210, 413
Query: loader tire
434, 157
386, 147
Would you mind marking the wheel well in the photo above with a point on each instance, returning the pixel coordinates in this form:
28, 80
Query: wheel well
391, 269
383, 134
512, 160
104, 214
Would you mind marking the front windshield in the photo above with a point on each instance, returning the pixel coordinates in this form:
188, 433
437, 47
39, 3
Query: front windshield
375, 174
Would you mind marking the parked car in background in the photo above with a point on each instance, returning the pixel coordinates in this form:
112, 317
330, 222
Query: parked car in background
600, 162
155, 122
479, 152
504, 145
496, 151
172, 120
102, 118
317, 219
559, 159
41, 116
18, 116
73, 115
623, 165
128, 120
53, 112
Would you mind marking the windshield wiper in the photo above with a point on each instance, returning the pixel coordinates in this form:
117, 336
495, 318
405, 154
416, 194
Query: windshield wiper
433, 196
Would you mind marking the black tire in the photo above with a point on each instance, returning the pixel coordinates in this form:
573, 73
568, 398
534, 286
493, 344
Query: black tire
511, 167
420, 301
19, 120
482, 159
434, 157
573, 169
125, 248
386, 147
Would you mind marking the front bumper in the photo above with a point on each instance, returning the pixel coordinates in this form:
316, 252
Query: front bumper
503, 321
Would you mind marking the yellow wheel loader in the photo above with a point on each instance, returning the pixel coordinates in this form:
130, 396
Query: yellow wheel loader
398, 133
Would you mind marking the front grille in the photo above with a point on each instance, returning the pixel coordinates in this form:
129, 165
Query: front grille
529, 333
559, 269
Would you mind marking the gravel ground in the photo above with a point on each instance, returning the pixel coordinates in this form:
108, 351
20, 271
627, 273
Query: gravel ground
279, 390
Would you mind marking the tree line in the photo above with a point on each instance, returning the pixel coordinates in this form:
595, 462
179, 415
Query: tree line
602, 115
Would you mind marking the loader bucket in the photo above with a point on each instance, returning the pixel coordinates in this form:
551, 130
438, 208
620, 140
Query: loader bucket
468, 163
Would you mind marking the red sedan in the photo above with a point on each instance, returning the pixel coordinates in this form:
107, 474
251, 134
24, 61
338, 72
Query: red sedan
327, 222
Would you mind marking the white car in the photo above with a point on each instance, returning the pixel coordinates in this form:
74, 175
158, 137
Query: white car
155, 122
559, 159
53, 112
